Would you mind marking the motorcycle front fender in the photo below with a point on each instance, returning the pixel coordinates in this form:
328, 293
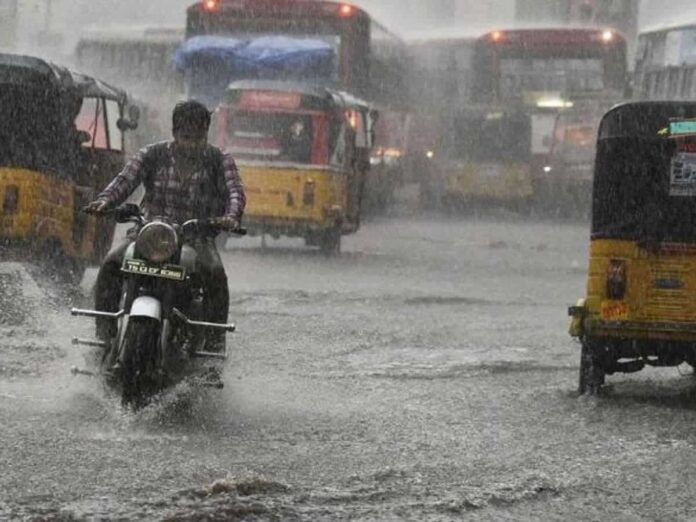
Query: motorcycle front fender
146, 306
130, 252
189, 259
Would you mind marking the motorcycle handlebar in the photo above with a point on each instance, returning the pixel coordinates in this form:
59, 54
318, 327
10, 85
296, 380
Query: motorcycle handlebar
131, 212
214, 224
95, 212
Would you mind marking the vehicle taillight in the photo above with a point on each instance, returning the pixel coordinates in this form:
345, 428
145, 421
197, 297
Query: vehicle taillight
607, 36
10, 204
211, 5
616, 279
309, 192
346, 10
497, 36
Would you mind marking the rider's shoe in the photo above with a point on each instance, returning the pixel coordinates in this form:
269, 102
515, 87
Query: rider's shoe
213, 378
217, 343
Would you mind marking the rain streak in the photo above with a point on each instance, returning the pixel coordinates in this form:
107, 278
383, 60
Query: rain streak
327, 260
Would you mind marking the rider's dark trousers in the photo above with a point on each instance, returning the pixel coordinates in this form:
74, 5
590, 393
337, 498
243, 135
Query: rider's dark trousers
109, 285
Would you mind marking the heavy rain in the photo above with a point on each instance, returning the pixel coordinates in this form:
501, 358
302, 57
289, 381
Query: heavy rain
322, 260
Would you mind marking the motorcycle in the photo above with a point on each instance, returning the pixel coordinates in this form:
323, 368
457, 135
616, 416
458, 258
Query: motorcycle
162, 337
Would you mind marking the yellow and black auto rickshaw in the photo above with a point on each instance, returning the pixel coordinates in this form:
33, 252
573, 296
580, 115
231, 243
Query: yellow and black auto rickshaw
640, 307
61, 140
303, 153
486, 158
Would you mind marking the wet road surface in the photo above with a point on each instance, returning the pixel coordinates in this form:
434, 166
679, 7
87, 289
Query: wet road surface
426, 374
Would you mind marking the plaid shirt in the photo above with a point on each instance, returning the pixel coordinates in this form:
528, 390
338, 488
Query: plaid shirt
177, 195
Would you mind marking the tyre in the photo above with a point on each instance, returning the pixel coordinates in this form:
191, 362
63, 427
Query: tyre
330, 243
139, 377
591, 371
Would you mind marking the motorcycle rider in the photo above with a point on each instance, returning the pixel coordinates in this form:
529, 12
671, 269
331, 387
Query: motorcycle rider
185, 178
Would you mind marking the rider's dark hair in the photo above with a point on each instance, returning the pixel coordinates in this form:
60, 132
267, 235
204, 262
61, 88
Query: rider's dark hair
190, 115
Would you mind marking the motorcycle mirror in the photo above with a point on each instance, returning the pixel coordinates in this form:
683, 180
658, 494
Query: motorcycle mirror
84, 137
125, 212
125, 124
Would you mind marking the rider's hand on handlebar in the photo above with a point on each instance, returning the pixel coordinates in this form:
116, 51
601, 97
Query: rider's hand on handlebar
98, 206
227, 223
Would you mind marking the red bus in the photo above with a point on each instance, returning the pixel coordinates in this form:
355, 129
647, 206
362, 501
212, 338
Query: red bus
545, 73
369, 60
327, 44
567, 78
547, 67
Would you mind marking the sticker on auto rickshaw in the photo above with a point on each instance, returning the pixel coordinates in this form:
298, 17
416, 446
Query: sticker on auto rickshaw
682, 128
682, 180
614, 311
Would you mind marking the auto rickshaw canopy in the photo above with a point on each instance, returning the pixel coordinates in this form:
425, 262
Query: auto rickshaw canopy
39, 102
308, 96
644, 186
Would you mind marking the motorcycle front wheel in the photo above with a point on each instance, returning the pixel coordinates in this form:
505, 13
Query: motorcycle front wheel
139, 355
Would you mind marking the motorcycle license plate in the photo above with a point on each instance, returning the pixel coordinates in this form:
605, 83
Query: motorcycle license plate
140, 267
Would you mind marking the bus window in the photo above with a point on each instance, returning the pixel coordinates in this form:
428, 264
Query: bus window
113, 113
91, 119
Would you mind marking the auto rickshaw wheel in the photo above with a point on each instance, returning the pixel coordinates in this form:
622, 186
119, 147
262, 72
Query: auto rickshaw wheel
591, 370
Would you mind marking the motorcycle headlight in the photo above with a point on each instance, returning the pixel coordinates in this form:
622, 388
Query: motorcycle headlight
157, 242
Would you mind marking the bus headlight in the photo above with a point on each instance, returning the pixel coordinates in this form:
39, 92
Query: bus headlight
157, 242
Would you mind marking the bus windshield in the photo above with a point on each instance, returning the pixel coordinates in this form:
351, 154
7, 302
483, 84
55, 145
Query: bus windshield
491, 137
563, 75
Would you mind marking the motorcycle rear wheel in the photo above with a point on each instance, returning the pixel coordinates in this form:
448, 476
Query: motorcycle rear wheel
139, 356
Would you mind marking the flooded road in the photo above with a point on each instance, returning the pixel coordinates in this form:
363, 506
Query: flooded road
426, 374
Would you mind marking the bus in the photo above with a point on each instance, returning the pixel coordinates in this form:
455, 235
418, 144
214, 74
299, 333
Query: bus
666, 63
551, 71
541, 71
345, 47
324, 44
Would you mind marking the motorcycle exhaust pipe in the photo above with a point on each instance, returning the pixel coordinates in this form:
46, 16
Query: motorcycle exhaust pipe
89, 342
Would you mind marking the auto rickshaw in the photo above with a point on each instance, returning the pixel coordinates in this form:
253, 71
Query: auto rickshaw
303, 154
61, 140
486, 159
640, 307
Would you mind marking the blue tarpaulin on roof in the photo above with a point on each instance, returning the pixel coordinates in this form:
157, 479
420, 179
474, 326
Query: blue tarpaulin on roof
213, 62
254, 56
